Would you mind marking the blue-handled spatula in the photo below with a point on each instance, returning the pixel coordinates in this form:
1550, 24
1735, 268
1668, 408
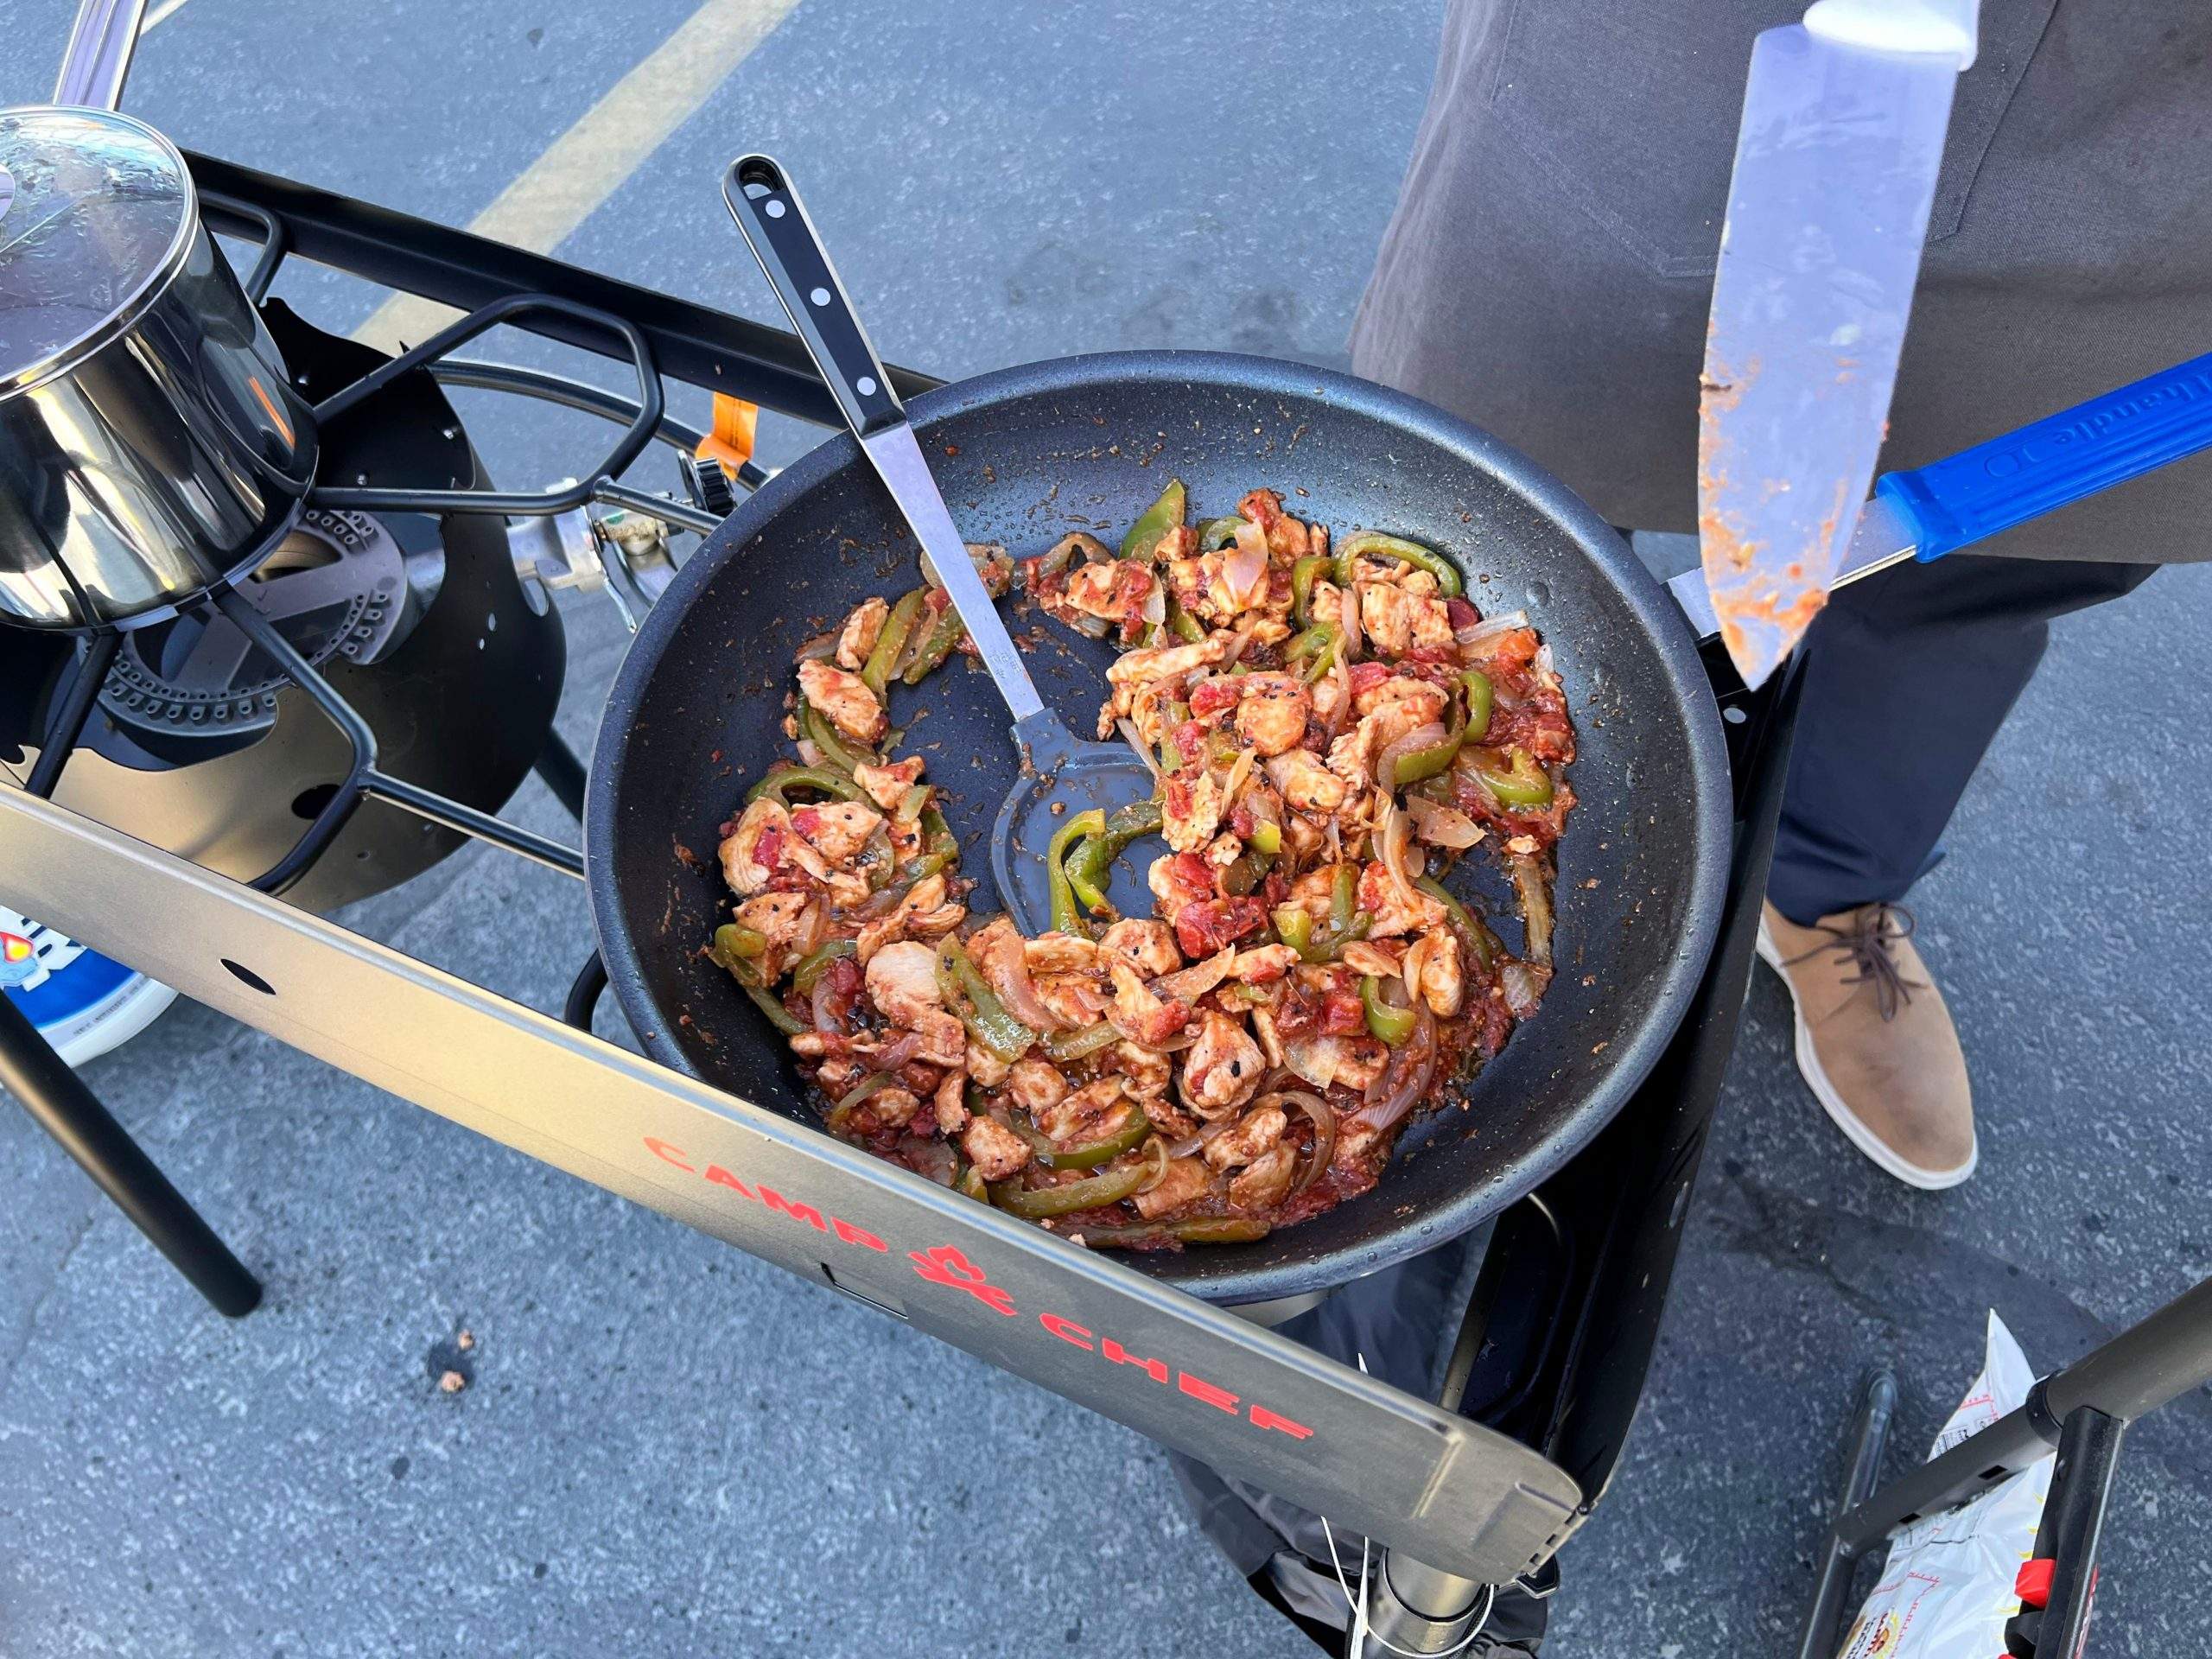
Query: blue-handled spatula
2029, 472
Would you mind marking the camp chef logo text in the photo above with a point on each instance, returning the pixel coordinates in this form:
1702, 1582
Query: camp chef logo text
949, 1268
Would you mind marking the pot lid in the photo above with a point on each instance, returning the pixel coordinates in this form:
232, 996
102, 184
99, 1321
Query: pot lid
96, 213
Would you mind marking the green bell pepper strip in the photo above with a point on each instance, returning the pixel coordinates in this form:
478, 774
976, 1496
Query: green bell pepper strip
1393, 1026
779, 785
1218, 533
1266, 835
836, 751
940, 850
1523, 782
1067, 918
1425, 763
1182, 624
1480, 939
969, 1183
1294, 927
1093, 1192
940, 644
778, 1015
1301, 586
1199, 1230
1069, 1045
735, 939
1319, 642
811, 967
1343, 894
875, 673
1477, 687
1087, 866
959, 981
1249, 870
1127, 1138
1156, 521
1396, 547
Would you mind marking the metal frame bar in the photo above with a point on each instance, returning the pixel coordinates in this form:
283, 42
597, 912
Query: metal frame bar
1445, 1490
690, 342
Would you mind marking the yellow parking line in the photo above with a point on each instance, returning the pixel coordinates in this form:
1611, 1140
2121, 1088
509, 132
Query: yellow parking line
586, 164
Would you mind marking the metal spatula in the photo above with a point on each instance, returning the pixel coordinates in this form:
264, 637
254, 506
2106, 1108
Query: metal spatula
1062, 774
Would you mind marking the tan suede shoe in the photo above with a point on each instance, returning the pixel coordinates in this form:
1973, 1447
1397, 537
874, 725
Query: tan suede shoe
1875, 1041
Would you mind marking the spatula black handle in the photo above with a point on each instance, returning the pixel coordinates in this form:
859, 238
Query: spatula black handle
776, 226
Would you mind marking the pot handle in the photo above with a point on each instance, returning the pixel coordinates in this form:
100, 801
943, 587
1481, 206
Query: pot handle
98, 59
776, 226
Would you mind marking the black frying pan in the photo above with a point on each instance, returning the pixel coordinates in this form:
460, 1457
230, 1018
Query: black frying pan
1023, 456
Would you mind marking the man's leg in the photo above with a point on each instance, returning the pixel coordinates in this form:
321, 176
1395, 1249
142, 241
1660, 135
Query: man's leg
1908, 675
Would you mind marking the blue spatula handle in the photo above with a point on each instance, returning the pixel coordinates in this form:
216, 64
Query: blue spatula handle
2038, 469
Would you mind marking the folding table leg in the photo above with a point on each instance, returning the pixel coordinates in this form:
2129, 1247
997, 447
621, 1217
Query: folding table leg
563, 773
73, 1114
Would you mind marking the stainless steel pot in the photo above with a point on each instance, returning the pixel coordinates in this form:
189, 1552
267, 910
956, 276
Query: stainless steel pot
150, 445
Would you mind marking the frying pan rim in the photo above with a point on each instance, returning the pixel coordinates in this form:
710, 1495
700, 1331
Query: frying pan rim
1704, 868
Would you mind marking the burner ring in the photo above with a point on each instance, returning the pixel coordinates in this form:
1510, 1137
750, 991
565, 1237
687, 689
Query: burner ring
336, 587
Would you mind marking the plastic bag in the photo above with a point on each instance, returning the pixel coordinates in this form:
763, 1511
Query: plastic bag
1947, 1588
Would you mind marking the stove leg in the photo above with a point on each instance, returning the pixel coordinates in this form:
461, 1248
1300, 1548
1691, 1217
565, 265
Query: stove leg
73, 1114
563, 774
1869, 1436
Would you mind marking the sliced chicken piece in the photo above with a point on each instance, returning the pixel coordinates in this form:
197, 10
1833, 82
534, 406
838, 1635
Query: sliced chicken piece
1191, 811
893, 1107
1395, 619
753, 854
1433, 973
887, 785
1264, 964
988, 1071
1396, 909
902, 982
845, 699
1088, 1116
1036, 1086
1263, 1183
1147, 1071
1148, 945
1222, 1069
1307, 784
949, 1106
789, 920
1138, 1015
862, 630
995, 1151
1402, 687
1248, 1138
837, 829
1271, 714
1061, 953
1363, 956
1186, 1181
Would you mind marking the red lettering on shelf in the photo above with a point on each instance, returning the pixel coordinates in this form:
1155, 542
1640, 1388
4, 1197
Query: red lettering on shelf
1154, 1369
1198, 1388
665, 1153
1262, 1418
721, 1177
1065, 1330
806, 1212
853, 1235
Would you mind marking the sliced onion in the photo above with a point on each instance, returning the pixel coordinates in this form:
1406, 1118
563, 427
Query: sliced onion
1490, 626
861, 1090
819, 648
1405, 1080
1244, 571
1523, 983
1155, 604
1240, 641
1393, 836
1324, 1132
824, 1004
1155, 1148
1189, 984
898, 1052
1009, 977
1348, 627
1440, 826
1535, 892
1421, 737
1340, 674
1191, 1143
1135, 739
1091, 627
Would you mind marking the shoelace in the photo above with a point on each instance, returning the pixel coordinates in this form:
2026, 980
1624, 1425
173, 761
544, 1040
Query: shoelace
1868, 941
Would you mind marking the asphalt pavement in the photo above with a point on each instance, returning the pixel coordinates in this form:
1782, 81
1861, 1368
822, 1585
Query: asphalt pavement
666, 1447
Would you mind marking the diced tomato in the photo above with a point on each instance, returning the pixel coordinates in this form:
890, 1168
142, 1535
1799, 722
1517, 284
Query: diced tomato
1189, 741
1341, 1013
1263, 507
1211, 697
768, 850
1188, 880
1177, 799
805, 821
1203, 928
1242, 821
1514, 648
1365, 676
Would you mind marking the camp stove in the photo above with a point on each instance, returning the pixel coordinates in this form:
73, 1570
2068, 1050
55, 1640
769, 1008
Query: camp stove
239, 752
